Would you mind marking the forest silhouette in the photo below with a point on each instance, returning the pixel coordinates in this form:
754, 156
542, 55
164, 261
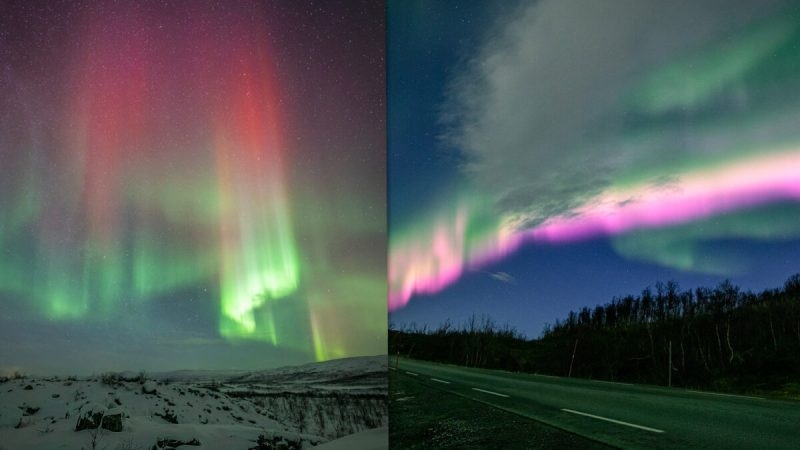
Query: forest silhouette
722, 338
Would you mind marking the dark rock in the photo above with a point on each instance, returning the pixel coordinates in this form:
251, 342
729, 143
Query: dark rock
30, 410
112, 420
28, 387
169, 416
90, 418
55, 395
169, 444
276, 443
97, 416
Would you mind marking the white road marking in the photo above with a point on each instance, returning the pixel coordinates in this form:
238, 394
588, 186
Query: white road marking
392, 368
412, 374
627, 424
490, 392
613, 382
725, 395
440, 381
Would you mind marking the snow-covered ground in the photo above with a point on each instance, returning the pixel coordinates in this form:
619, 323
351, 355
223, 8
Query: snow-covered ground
289, 408
373, 439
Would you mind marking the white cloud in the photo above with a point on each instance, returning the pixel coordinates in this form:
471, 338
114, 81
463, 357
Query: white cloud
539, 110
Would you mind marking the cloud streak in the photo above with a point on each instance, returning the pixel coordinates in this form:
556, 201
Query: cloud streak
503, 277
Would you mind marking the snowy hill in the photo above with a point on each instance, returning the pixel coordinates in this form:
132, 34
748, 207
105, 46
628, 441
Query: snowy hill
288, 408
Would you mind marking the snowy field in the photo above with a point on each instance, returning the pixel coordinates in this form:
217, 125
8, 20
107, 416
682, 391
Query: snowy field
335, 404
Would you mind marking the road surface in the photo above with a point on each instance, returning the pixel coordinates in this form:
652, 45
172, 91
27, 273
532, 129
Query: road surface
623, 415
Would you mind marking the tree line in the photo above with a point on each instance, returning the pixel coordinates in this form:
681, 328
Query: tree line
720, 338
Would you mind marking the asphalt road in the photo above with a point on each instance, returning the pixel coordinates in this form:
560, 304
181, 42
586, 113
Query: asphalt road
623, 415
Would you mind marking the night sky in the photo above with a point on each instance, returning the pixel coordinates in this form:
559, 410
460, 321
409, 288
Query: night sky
549, 155
191, 184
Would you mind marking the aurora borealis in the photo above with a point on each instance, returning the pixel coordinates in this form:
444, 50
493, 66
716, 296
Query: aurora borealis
203, 177
612, 143
465, 239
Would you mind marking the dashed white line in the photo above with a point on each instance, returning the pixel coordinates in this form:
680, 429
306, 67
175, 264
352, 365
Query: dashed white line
412, 374
490, 392
725, 395
613, 382
440, 381
619, 422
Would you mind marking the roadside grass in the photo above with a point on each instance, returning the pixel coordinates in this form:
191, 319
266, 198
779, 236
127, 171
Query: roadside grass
777, 388
423, 417
785, 391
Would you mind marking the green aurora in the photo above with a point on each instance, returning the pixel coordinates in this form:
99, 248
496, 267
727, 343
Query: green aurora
156, 174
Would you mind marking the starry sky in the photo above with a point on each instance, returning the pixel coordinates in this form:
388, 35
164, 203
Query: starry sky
191, 184
549, 155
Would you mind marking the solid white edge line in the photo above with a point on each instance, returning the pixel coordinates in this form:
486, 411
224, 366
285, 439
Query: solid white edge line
440, 381
490, 392
725, 395
412, 374
627, 424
